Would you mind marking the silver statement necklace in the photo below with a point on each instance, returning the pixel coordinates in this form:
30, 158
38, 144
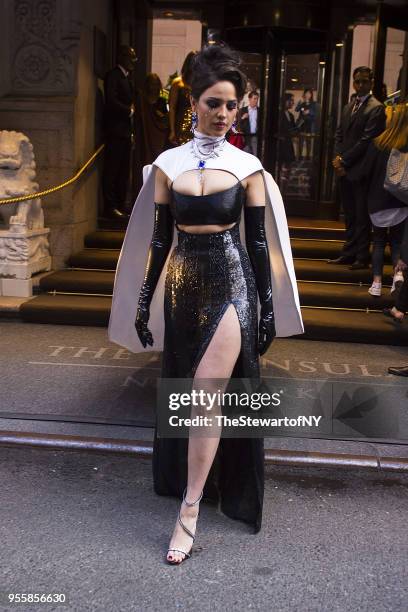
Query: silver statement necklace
206, 147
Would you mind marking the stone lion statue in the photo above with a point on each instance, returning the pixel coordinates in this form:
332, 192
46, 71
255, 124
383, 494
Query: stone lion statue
17, 177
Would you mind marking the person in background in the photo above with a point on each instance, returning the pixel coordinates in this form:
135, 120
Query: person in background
248, 122
306, 122
118, 123
236, 138
384, 93
387, 213
397, 312
179, 104
287, 131
360, 122
155, 119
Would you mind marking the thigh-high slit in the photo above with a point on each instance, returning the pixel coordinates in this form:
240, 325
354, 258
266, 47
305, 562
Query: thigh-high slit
207, 273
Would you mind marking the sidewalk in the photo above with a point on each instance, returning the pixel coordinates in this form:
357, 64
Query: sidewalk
57, 376
89, 524
91, 527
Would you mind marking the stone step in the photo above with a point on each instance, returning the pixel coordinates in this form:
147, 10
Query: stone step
320, 323
311, 293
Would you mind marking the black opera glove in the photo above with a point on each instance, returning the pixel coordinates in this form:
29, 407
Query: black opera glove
257, 247
160, 246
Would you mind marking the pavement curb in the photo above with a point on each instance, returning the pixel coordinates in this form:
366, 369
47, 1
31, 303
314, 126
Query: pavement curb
143, 449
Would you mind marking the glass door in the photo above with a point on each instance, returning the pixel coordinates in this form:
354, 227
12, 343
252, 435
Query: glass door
287, 67
252, 65
394, 79
391, 53
297, 159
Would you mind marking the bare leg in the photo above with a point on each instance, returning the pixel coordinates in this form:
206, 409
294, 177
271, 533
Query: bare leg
217, 363
397, 313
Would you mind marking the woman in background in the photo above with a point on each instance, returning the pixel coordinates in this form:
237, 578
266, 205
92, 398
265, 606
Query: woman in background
397, 312
287, 132
306, 122
387, 213
155, 119
179, 104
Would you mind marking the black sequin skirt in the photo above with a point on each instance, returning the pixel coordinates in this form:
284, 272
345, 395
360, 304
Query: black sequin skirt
206, 273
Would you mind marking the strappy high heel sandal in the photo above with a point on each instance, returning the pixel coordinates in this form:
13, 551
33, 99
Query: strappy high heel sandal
388, 313
186, 554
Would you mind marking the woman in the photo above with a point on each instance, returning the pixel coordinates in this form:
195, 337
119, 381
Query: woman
306, 121
155, 120
387, 213
179, 104
397, 312
209, 287
287, 133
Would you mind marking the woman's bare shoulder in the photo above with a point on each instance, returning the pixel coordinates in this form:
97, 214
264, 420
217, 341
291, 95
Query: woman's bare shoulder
255, 189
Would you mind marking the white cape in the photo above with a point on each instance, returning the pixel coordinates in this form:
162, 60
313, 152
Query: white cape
133, 256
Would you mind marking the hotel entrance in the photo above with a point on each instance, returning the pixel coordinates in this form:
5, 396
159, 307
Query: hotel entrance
292, 67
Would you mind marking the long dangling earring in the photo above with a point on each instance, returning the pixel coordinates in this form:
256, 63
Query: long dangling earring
234, 127
193, 121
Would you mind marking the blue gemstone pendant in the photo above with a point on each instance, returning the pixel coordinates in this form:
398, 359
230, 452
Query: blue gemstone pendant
201, 166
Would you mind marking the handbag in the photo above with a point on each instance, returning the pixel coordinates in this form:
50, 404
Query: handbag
396, 175
237, 140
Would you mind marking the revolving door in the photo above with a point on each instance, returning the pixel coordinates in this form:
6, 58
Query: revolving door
289, 69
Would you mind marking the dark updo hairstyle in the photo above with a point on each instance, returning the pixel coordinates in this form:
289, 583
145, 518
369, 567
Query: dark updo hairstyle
187, 68
214, 63
311, 93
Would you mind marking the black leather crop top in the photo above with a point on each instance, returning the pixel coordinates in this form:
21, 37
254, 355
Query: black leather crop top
220, 208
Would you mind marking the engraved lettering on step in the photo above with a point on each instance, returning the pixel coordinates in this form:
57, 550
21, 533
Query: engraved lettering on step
328, 368
365, 372
269, 363
139, 382
304, 393
97, 354
307, 366
122, 354
58, 349
292, 367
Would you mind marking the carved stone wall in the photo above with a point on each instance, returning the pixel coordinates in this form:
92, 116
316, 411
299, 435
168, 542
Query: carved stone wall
50, 94
45, 46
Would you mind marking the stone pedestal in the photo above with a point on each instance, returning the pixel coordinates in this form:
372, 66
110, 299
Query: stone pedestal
24, 246
21, 256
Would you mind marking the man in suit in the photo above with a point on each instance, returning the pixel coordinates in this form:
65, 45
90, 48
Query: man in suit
398, 311
361, 121
287, 131
118, 121
248, 122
